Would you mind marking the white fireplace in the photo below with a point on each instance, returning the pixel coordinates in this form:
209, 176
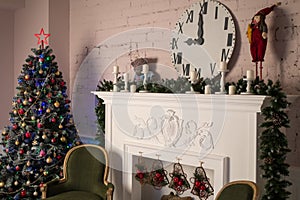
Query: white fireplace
220, 130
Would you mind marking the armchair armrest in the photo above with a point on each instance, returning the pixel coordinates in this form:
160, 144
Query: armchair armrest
53, 187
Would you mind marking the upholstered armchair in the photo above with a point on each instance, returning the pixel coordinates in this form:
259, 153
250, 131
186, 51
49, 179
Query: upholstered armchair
85, 172
238, 190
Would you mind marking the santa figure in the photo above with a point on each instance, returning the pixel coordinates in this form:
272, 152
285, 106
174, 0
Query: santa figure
257, 35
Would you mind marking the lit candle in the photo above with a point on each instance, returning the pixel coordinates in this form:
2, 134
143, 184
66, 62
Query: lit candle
145, 68
193, 75
231, 89
250, 74
207, 89
116, 69
223, 65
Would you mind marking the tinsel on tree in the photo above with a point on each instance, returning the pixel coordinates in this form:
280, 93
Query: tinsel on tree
41, 130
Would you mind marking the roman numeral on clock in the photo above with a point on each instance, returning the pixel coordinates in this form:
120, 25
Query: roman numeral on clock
190, 16
177, 58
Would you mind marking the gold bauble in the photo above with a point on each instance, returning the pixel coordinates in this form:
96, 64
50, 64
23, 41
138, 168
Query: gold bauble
4, 133
25, 92
44, 136
49, 160
35, 193
28, 163
1, 184
16, 183
56, 104
57, 73
63, 139
32, 118
28, 183
27, 77
25, 102
15, 112
60, 126
17, 142
23, 124
45, 173
48, 110
41, 71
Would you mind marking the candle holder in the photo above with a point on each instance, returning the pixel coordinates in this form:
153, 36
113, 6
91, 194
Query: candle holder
126, 82
222, 81
115, 87
248, 89
144, 82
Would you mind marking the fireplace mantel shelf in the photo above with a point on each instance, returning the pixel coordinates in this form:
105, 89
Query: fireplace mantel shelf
220, 130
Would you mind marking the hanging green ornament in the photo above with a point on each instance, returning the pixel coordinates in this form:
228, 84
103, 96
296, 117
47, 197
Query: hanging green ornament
179, 181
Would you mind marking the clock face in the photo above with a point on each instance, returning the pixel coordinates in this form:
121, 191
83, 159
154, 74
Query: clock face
203, 37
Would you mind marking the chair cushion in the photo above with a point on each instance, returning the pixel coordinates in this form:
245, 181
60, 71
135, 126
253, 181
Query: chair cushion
75, 195
237, 192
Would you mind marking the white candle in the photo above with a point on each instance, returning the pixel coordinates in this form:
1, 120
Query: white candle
231, 89
133, 88
250, 74
145, 68
116, 69
207, 89
223, 65
126, 77
193, 75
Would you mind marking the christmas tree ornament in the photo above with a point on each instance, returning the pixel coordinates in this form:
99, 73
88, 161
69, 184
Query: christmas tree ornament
158, 175
179, 181
201, 185
142, 175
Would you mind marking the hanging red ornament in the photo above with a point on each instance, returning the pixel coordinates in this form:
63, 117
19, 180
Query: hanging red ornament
202, 187
53, 120
40, 125
14, 126
53, 140
158, 175
21, 151
23, 193
62, 83
142, 175
17, 167
179, 181
27, 134
21, 111
30, 99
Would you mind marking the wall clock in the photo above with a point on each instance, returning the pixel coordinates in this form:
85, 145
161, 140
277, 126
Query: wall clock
203, 37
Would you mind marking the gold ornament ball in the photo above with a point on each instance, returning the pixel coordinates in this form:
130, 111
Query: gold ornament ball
32, 118
57, 73
27, 77
15, 112
16, 183
28, 183
35, 193
63, 139
45, 173
25, 102
48, 110
28, 163
4, 133
56, 104
44, 136
1, 184
41, 71
23, 124
17, 142
49, 160
60, 126
25, 92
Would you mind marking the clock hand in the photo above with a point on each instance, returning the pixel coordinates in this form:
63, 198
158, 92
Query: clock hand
200, 39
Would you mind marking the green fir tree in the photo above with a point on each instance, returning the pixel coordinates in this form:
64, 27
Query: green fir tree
41, 130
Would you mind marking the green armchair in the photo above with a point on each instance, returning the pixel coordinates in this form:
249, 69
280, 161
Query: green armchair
238, 190
85, 172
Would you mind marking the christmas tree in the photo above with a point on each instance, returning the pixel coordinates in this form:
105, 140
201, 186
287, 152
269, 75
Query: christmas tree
41, 130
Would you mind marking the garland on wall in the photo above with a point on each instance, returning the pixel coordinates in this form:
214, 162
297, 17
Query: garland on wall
273, 147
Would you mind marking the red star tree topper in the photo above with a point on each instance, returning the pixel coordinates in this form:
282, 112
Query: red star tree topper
42, 37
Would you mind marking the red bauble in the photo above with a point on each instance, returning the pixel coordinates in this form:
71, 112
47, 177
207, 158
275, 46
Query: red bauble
15, 126
53, 120
141, 175
58, 157
180, 182
202, 187
52, 81
27, 134
21, 151
23, 193
53, 140
175, 179
158, 175
40, 125
197, 183
17, 167
62, 83
21, 111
